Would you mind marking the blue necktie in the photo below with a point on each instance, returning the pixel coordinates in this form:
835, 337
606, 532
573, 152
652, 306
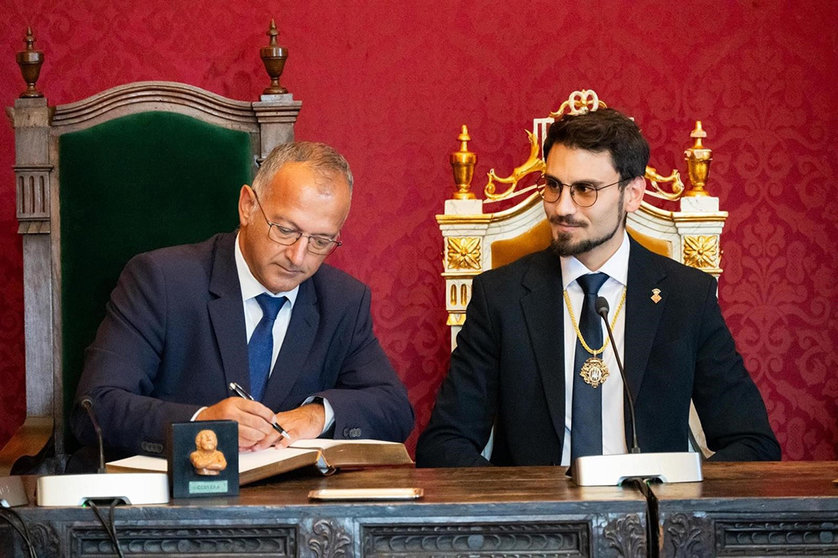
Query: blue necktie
586, 417
261, 345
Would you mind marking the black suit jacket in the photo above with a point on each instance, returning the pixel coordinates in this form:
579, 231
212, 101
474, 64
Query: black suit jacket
508, 369
174, 336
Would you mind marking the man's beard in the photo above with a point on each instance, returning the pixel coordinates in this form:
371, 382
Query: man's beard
563, 246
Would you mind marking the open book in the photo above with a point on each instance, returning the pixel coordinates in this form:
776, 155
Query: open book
326, 455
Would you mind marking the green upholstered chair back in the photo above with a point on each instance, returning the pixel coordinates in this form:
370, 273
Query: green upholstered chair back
130, 185
131, 169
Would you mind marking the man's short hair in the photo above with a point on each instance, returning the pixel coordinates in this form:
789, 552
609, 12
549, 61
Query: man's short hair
601, 130
323, 158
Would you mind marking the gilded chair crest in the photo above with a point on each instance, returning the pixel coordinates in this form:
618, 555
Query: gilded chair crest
480, 234
509, 222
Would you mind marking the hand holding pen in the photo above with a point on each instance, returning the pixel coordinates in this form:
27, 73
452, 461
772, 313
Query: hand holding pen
239, 391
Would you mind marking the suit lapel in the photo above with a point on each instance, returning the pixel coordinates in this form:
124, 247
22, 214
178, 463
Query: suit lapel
542, 308
226, 313
305, 319
642, 313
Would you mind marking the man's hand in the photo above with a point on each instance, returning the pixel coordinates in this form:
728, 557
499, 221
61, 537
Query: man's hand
254, 421
300, 423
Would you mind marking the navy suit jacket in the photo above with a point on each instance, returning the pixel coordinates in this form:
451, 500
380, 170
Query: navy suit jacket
508, 369
174, 336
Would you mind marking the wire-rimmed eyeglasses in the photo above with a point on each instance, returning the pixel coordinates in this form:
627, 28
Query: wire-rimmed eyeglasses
583, 194
287, 236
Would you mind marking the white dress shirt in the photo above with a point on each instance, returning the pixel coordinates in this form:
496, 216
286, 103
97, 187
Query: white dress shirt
250, 289
613, 422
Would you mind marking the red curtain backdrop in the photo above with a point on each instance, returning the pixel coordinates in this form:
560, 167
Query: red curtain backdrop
389, 85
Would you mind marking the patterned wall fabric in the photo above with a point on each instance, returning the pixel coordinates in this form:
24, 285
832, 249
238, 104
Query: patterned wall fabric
389, 86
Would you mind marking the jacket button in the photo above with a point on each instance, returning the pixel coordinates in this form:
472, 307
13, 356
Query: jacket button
351, 432
151, 447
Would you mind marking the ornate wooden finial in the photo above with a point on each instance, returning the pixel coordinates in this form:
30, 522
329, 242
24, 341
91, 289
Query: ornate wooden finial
274, 56
698, 162
30, 61
462, 163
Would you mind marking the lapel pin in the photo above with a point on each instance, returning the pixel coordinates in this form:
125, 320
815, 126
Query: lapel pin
656, 295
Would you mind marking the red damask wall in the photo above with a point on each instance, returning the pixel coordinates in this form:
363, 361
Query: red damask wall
389, 84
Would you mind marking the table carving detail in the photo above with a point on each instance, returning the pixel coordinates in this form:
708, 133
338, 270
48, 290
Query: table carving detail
688, 537
269, 540
45, 539
480, 540
627, 535
329, 540
814, 538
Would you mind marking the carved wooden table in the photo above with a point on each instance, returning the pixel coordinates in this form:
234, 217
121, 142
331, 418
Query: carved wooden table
752, 509
464, 512
741, 509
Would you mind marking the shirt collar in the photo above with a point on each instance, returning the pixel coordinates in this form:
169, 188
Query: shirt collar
616, 267
250, 286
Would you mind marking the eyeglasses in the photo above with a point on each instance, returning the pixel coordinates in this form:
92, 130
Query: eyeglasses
317, 244
583, 194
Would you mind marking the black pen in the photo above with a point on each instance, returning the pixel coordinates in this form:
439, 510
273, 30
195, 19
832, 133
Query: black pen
238, 390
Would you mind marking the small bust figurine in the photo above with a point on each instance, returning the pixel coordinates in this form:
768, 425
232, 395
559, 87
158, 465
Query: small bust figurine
206, 459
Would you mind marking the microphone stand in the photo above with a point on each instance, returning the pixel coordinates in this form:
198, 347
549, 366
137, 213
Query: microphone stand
602, 310
87, 403
78, 490
612, 470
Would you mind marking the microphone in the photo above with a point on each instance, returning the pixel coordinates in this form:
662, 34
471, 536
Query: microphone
78, 490
601, 308
87, 403
611, 470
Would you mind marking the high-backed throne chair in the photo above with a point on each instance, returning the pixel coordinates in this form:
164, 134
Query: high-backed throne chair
509, 222
130, 169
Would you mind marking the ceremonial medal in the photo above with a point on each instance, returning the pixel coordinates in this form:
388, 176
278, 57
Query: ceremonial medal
594, 371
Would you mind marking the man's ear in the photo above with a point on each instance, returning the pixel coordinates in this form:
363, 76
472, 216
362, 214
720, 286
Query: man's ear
247, 203
634, 193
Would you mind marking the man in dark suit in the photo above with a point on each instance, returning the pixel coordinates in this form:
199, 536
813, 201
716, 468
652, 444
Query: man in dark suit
533, 362
257, 307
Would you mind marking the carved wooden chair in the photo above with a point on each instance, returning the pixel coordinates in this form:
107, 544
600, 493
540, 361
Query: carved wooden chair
480, 234
130, 169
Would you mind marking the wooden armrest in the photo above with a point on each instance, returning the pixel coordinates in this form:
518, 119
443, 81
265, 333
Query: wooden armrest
32, 438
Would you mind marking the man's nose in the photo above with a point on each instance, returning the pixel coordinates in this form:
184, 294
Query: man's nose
297, 252
565, 204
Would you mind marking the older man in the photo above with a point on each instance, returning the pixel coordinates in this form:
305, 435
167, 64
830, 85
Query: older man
256, 307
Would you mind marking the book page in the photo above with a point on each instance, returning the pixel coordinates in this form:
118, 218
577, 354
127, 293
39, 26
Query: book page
249, 460
141, 463
326, 455
357, 453
318, 443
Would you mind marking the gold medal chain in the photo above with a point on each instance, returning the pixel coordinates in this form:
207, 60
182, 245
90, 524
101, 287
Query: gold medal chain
576, 325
